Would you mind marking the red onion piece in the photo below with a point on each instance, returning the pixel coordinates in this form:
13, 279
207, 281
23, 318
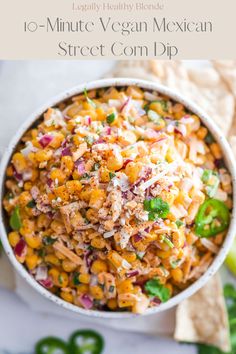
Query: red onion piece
66, 152
125, 107
132, 273
88, 120
88, 259
34, 192
108, 130
99, 141
20, 248
126, 162
41, 273
156, 301
47, 283
49, 182
17, 175
80, 165
137, 237
45, 140
86, 301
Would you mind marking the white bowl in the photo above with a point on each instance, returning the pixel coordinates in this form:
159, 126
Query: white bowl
229, 160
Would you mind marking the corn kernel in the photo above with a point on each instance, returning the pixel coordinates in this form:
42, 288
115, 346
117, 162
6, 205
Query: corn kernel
31, 261
74, 187
202, 132
104, 175
62, 193
129, 256
177, 274
112, 304
43, 155
63, 280
66, 296
98, 242
82, 288
13, 238
52, 259
33, 241
58, 175
57, 140
67, 165
115, 162
216, 151
132, 170
97, 198
96, 292
125, 286
92, 215
84, 278
127, 137
99, 266
19, 162
68, 266
54, 274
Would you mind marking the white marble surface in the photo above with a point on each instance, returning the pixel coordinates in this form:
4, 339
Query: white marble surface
24, 85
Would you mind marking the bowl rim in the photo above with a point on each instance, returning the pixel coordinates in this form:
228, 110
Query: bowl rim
146, 85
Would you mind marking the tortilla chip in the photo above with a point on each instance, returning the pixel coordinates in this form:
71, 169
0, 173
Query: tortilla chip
202, 318
200, 85
227, 70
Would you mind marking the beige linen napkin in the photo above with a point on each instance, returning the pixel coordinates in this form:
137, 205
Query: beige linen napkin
213, 88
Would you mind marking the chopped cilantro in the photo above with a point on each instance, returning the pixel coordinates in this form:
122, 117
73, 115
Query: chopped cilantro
15, 219
96, 166
112, 175
174, 264
157, 208
48, 240
153, 116
209, 138
60, 279
179, 223
85, 176
168, 242
154, 288
31, 204
75, 279
206, 175
9, 196
111, 117
42, 253
89, 139
111, 289
162, 103
91, 102
211, 180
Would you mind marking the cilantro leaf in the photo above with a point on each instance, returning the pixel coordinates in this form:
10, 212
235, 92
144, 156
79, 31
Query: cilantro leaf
91, 102
48, 240
179, 223
208, 349
111, 117
111, 175
157, 208
154, 288
31, 204
15, 219
229, 291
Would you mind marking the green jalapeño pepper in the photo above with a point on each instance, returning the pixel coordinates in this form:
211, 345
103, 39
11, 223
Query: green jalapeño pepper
51, 345
86, 341
212, 218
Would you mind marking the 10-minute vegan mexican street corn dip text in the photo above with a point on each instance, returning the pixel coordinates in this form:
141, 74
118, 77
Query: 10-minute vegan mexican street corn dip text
118, 199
